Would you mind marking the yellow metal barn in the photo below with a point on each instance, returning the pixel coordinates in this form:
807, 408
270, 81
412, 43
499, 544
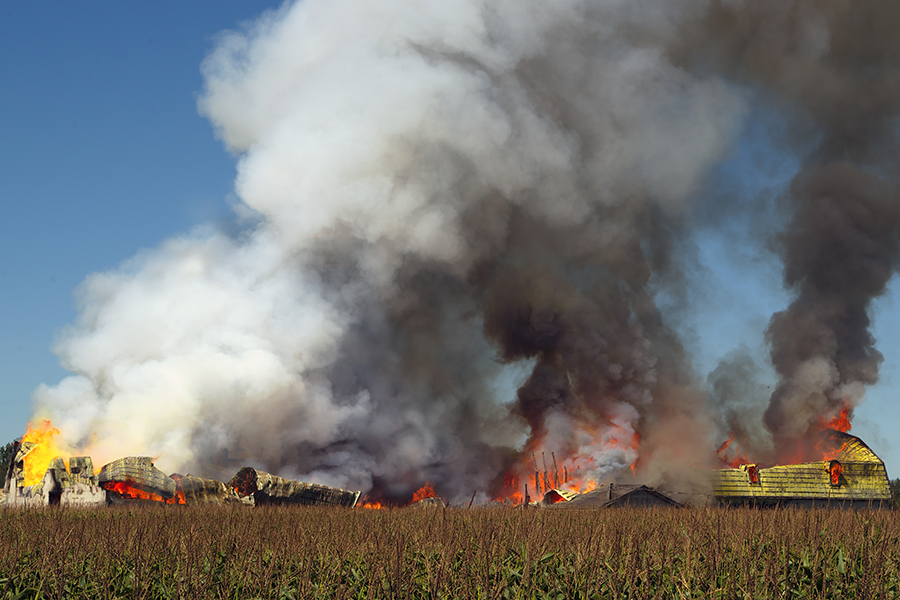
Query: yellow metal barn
850, 475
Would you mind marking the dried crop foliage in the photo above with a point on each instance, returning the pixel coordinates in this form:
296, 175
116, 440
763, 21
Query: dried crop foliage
300, 552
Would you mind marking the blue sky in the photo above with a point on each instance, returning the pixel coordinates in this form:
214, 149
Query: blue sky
104, 154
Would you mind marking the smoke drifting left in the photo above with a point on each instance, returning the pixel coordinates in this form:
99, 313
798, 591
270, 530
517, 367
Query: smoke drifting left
441, 193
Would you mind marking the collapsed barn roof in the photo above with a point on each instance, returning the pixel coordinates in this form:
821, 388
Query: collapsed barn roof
266, 488
197, 490
135, 478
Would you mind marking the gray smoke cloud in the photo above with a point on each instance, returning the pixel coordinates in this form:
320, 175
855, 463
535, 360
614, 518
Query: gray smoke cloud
439, 196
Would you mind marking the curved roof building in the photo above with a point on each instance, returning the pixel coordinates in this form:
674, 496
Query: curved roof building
848, 474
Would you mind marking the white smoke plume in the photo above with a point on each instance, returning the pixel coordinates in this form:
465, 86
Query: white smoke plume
433, 190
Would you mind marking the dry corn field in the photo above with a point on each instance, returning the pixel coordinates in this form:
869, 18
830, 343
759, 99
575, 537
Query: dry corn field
173, 552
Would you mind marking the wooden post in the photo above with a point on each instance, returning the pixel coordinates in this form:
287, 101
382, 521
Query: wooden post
546, 479
555, 471
526, 500
472, 500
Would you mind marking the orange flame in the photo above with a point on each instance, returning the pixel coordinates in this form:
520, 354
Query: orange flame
840, 422
37, 461
753, 472
587, 487
635, 445
736, 457
374, 502
512, 489
836, 468
126, 490
426, 491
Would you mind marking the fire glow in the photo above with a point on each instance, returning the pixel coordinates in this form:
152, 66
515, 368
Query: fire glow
575, 470
426, 491
126, 490
841, 422
803, 450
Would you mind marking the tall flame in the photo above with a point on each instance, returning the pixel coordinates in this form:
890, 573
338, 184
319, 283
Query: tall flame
47, 448
840, 422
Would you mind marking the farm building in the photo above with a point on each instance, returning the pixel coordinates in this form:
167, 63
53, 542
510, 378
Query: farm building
612, 495
849, 475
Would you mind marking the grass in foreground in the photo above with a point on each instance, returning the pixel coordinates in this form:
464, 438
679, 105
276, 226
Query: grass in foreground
293, 553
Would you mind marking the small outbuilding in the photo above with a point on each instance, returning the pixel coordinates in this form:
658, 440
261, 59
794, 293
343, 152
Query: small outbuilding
612, 495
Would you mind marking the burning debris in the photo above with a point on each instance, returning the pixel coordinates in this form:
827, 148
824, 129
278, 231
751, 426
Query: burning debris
848, 474
135, 478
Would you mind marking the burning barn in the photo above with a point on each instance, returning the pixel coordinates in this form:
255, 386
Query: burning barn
847, 474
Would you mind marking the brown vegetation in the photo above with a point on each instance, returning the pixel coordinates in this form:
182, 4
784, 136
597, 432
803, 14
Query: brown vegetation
300, 552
